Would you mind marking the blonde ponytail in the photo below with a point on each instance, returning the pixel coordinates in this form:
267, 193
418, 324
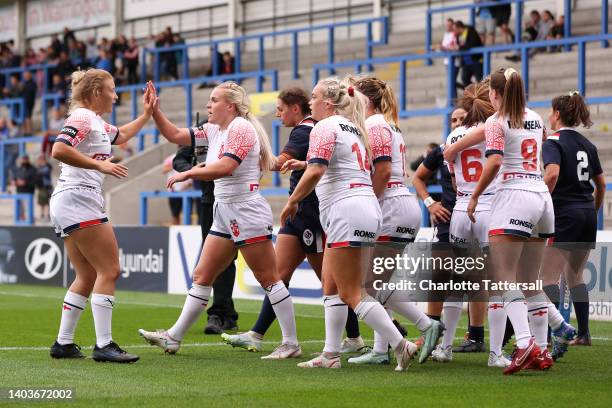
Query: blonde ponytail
349, 103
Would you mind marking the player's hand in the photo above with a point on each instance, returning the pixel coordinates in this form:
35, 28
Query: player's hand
148, 101
293, 164
112, 169
288, 212
471, 208
438, 213
177, 178
450, 151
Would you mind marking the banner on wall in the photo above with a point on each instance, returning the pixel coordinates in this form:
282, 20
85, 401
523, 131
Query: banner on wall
133, 9
8, 22
51, 16
35, 255
143, 259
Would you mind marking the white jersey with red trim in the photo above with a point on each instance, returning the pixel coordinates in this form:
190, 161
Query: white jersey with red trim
522, 151
387, 144
336, 143
239, 142
90, 135
467, 169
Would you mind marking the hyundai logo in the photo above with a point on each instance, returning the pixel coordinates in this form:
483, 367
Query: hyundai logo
43, 258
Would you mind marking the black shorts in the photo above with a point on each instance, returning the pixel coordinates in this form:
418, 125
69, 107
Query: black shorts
443, 231
502, 14
307, 227
176, 206
575, 228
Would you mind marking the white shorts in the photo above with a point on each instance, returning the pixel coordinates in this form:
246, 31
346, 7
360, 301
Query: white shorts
244, 223
523, 213
465, 232
75, 208
485, 25
401, 219
352, 222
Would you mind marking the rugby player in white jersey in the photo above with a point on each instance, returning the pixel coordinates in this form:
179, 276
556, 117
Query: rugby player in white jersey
83, 147
238, 150
339, 167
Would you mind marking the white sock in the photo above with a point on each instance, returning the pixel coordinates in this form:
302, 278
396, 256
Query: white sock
538, 319
381, 344
516, 309
73, 306
451, 313
374, 315
281, 302
195, 304
335, 320
409, 310
102, 309
497, 324
555, 320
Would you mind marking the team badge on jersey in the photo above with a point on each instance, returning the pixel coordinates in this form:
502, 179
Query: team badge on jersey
308, 237
234, 227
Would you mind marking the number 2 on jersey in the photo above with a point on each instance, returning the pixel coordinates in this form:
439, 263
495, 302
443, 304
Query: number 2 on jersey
360, 159
471, 170
583, 166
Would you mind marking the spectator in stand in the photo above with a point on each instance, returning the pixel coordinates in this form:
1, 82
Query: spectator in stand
56, 47
68, 36
9, 130
502, 14
64, 66
25, 178
214, 56
28, 91
228, 63
44, 186
54, 126
485, 24
471, 65
178, 55
104, 61
74, 53
557, 33
91, 51
449, 43
538, 29
30, 57
59, 87
130, 56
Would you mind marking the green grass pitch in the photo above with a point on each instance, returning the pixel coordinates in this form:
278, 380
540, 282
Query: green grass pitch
207, 373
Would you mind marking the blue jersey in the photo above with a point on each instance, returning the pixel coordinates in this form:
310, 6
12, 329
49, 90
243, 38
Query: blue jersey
297, 147
579, 163
434, 161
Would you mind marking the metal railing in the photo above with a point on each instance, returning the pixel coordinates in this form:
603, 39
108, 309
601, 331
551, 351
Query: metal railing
518, 22
187, 196
18, 199
16, 108
8, 72
21, 142
486, 52
238, 42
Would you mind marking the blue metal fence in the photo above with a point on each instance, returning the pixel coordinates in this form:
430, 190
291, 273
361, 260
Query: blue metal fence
518, 22
187, 196
18, 200
16, 108
239, 42
523, 48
